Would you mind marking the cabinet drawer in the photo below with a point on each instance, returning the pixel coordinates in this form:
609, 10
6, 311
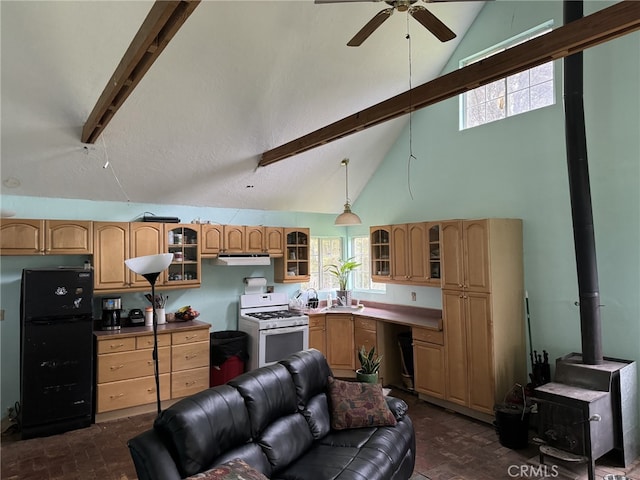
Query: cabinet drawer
130, 393
428, 335
190, 336
188, 382
113, 345
317, 321
366, 323
126, 365
191, 355
146, 341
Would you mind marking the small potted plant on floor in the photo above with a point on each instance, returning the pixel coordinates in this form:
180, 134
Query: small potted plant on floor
369, 365
341, 271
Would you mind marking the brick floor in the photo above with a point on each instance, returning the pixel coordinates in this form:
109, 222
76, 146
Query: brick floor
449, 447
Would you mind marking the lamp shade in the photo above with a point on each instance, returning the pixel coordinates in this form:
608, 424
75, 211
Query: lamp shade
348, 217
149, 263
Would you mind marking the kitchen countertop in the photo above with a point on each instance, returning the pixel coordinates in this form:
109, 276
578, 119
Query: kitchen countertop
430, 318
164, 328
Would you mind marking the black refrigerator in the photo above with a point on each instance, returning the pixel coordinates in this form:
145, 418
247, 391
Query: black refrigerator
56, 350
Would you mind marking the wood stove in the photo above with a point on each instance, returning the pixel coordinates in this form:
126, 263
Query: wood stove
589, 411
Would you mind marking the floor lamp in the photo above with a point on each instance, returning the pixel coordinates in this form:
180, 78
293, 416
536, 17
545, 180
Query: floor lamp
150, 267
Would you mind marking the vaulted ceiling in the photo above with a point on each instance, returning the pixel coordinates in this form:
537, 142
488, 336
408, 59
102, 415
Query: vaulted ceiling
239, 78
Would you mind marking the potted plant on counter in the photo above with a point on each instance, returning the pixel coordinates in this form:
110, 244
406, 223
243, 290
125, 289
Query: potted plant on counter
369, 365
341, 271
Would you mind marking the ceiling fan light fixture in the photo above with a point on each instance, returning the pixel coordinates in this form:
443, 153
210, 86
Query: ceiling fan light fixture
347, 217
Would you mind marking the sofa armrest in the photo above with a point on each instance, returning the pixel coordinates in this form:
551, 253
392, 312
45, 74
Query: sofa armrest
151, 458
397, 406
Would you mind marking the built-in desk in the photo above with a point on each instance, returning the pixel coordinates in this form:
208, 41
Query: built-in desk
339, 333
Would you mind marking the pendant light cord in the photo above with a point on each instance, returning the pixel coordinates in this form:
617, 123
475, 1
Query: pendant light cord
411, 156
345, 162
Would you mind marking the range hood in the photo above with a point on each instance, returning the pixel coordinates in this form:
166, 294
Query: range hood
241, 259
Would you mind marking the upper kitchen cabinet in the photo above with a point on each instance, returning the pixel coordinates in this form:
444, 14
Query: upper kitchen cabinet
46, 237
111, 247
254, 239
114, 242
406, 253
183, 242
212, 239
234, 239
465, 255
380, 245
241, 239
274, 241
145, 238
293, 267
433, 253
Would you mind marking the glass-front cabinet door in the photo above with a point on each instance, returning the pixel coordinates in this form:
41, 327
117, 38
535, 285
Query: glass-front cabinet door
183, 242
433, 239
380, 244
294, 265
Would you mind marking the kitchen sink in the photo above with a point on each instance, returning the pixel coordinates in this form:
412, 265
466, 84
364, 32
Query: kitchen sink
340, 308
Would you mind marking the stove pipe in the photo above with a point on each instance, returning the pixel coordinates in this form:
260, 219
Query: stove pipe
580, 194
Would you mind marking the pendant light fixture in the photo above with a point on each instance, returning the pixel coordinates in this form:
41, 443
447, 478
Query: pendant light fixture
347, 217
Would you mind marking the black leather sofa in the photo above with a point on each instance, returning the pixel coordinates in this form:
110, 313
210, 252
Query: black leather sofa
277, 420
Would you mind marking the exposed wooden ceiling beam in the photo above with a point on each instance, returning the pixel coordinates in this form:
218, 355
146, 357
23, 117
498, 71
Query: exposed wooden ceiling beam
602, 26
163, 21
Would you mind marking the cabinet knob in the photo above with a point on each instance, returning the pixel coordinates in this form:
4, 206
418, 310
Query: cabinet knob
117, 396
116, 345
117, 367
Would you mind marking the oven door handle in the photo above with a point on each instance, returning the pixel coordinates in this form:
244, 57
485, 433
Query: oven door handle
278, 331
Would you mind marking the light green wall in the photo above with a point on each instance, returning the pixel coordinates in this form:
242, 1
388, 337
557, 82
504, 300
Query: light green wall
517, 168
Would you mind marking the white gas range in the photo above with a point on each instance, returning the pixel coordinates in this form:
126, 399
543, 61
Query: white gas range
274, 331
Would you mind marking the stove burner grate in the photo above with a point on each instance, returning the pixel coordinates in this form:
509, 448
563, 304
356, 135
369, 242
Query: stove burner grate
273, 315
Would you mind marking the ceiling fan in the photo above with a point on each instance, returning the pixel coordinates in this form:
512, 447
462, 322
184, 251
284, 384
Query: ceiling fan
420, 13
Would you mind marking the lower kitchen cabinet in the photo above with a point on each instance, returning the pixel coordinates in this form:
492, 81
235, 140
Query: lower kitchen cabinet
125, 367
428, 362
317, 333
341, 344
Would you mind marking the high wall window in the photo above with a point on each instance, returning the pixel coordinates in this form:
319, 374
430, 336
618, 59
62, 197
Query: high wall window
515, 94
361, 277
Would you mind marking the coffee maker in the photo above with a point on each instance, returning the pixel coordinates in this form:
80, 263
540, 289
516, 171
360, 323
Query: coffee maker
111, 307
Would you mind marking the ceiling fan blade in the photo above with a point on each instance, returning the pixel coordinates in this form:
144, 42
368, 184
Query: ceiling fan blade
344, 1
370, 27
432, 23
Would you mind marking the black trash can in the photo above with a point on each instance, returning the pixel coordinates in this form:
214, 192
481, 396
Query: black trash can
512, 425
405, 342
228, 354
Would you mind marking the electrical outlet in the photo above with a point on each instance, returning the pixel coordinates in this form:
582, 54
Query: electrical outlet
413, 296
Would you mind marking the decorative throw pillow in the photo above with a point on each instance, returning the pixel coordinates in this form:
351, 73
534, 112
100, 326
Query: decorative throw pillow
356, 405
233, 470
